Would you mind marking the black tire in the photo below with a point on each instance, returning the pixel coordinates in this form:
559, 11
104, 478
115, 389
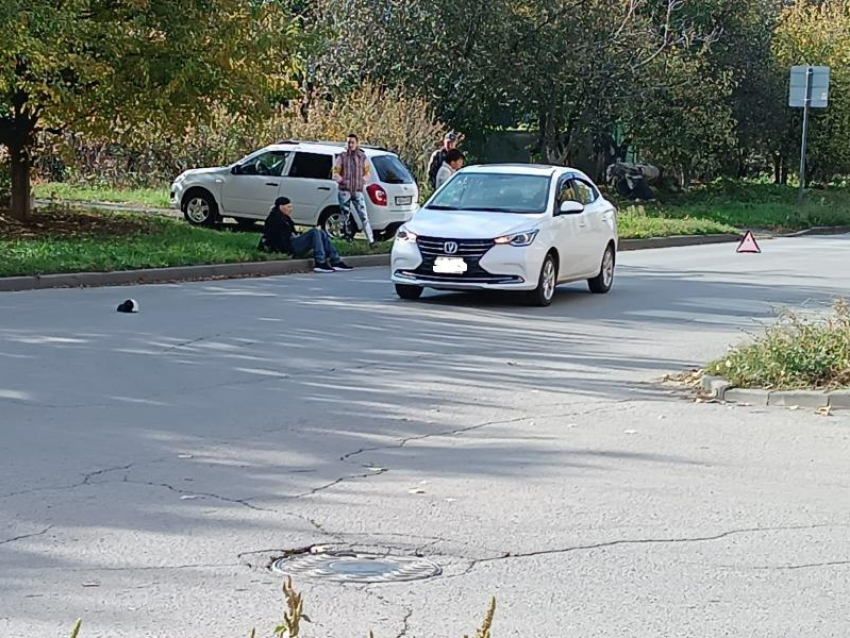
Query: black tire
546, 283
332, 223
200, 209
605, 279
411, 293
388, 233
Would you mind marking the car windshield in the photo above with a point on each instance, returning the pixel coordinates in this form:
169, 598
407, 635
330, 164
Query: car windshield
390, 170
494, 192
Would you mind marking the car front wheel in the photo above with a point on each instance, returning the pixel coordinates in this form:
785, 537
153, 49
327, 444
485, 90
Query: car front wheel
545, 291
411, 293
605, 279
200, 209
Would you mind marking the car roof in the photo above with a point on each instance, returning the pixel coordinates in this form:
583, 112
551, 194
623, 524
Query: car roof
323, 147
517, 169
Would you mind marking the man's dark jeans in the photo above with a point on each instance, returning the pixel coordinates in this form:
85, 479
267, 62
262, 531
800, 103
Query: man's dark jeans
318, 241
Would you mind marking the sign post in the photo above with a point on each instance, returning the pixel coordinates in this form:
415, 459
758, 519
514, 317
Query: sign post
809, 89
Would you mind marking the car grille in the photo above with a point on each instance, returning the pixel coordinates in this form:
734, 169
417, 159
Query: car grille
472, 250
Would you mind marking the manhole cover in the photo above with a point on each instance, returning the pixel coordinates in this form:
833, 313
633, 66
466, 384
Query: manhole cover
357, 568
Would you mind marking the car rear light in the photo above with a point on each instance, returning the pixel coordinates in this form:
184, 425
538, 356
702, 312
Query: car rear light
377, 194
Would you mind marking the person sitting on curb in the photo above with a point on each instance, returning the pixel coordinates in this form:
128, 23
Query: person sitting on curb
279, 236
453, 163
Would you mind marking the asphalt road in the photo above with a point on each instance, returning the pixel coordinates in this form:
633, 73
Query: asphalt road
151, 464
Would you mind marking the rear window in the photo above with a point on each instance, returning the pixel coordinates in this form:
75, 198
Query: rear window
311, 166
390, 170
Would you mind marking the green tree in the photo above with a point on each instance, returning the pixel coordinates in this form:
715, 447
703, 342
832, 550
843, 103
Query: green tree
99, 65
818, 33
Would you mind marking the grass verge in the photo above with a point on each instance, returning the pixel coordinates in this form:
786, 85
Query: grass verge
62, 242
797, 352
751, 205
720, 207
635, 222
149, 197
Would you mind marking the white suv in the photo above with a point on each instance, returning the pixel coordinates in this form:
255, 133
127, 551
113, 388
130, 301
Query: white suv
300, 171
509, 227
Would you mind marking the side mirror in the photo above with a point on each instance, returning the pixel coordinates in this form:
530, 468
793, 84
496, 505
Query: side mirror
571, 208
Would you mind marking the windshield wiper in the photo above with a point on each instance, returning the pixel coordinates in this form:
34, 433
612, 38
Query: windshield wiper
436, 207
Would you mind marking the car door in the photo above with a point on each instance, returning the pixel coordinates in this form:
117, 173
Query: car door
252, 186
597, 229
570, 232
309, 185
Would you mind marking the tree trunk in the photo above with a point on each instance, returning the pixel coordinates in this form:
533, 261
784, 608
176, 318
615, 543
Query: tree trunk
21, 192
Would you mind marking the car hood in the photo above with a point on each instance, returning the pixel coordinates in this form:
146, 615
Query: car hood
197, 172
470, 224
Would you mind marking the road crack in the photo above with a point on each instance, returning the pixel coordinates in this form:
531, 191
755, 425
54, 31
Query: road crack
408, 612
645, 541
835, 563
25, 536
177, 490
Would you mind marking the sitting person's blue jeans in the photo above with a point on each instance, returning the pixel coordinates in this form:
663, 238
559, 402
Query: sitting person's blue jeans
318, 241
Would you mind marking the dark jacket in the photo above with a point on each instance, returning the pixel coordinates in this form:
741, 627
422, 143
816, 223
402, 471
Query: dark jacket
438, 158
278, 231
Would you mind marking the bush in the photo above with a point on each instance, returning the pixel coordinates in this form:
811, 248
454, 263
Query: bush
796, 352
381, 117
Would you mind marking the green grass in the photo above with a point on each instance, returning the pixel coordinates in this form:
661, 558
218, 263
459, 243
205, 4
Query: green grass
753, 205
636, 223
796, 352
721, 207
164, 242
152, 197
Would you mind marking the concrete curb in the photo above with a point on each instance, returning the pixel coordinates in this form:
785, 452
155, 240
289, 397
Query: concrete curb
674, 241
819, 230
720, 389
174, 275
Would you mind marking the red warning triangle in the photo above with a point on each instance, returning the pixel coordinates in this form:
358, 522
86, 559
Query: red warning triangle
748, 244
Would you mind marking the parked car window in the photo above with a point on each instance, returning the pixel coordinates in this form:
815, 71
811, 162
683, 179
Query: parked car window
270, 164
311, 166
390, 170
494, 192
585, 192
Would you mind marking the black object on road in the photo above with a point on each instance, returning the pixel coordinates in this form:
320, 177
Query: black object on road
129, 306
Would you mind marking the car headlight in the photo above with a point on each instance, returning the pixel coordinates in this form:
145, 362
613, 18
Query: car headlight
517, 239
405, 235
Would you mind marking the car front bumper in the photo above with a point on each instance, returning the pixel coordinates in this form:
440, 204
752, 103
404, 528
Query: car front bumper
501, 268
176, 197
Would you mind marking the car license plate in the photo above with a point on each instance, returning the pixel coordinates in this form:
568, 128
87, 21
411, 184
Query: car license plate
404, 201
449, 265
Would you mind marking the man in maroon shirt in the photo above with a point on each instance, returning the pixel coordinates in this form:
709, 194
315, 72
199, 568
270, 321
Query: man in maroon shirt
351, 170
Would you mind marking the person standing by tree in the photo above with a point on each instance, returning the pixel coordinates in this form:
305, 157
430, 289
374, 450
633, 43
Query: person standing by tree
351, 170
453, 163
438, 157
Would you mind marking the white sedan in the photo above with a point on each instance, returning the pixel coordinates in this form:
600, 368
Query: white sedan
509, 227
